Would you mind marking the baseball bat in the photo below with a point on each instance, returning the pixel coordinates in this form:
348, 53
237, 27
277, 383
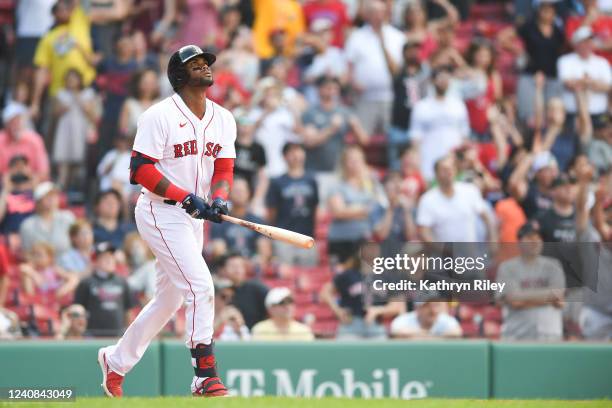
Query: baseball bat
290, 237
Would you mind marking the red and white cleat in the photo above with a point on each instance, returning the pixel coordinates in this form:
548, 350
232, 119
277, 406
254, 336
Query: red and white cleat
111, 381
208, 387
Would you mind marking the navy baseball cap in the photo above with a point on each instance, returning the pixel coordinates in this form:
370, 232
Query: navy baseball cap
562, 180
530, 227
104, 247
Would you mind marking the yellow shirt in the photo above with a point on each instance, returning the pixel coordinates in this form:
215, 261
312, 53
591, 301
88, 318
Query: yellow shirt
271, 15
267, 330
57, 51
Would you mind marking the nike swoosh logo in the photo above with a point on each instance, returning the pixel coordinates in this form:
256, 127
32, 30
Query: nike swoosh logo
182, 124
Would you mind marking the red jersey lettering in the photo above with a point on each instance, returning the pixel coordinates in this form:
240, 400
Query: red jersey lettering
187, 148
213, 149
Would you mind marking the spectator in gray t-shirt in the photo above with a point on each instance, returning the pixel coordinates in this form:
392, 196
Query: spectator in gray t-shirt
325, 127
533, 294
596, 314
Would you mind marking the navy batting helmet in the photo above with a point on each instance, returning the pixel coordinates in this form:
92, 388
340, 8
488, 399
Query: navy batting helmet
177, 73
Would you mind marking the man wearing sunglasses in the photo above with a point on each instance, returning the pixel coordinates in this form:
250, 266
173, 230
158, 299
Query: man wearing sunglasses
281, 326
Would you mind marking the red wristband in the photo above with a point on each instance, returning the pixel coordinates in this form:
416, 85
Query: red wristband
176, 193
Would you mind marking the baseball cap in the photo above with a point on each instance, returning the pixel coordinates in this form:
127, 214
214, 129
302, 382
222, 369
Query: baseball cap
325, 79
222, 283
542, 160
244, 117
320, 24
539, 3
11, 110
581, 34
561, 180
528, 228
601, 121
43, 189
104, 247
277, 295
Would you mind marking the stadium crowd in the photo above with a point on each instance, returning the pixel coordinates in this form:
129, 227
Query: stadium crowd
372, 125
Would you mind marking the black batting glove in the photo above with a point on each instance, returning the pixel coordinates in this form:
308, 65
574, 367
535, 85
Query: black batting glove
196, 207
218, 208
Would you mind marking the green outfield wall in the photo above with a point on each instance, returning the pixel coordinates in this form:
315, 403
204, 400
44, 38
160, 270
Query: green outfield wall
454, 369
560, 371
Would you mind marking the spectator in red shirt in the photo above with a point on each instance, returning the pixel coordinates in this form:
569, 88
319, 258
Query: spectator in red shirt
481, 58
600, 23
333, 10
16, 140
422, 30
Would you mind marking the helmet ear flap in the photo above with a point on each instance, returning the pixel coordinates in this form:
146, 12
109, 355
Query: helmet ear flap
181, 77
177, 73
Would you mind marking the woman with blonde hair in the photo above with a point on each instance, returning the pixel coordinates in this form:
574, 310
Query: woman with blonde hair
351, 203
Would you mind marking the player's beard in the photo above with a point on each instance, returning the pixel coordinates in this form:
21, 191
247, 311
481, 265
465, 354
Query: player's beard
201, 81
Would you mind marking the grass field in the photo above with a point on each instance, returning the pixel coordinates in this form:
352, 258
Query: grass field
273, 402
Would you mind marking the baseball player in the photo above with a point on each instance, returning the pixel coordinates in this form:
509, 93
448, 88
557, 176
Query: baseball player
184, 150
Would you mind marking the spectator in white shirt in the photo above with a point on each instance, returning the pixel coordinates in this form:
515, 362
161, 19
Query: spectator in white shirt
374, 52
440, 123
450, 211
582, 70
111, 169
429, 320
275, 125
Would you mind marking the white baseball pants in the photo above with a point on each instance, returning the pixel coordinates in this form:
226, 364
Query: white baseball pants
176, 240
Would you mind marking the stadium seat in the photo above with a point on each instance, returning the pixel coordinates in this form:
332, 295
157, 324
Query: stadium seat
325, 329
275, 283
79, 211
470, 329
301, 298
488, 11
492, 313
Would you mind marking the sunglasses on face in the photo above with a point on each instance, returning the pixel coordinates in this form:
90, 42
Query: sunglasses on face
287, 301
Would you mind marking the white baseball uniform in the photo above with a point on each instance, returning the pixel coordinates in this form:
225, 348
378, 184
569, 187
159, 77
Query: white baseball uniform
186, 149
